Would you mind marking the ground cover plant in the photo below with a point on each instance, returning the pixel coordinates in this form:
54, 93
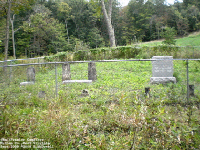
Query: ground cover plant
116, 115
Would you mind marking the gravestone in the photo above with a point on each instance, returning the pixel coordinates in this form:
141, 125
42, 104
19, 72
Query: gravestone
92, 74
162, 70
66, 75
31, 74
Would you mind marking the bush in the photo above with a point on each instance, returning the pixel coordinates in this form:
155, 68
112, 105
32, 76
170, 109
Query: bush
169, 36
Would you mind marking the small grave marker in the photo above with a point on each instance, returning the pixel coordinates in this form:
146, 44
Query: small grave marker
92, 74
30, 76
66, 75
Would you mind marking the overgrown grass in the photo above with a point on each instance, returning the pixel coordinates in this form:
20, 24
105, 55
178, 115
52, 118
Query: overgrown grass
116, 114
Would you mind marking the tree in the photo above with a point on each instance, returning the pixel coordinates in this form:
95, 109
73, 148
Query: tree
46, 34
169, 36
64, 10
107, 16
8, 7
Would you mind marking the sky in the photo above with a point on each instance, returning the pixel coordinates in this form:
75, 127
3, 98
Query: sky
125, 2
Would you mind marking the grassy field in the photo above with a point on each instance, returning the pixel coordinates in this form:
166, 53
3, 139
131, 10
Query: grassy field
116, 114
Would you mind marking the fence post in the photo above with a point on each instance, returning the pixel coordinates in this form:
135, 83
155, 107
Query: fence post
10, 77
187, 82
56, 80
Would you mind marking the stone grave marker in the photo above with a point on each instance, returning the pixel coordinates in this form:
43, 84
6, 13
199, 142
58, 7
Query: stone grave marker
162, 70
92, 74
30, 76
66, 75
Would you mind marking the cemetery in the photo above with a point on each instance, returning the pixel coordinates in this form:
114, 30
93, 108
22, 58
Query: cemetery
94, 102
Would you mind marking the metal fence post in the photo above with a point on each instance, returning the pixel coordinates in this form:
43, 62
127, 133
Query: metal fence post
187, 82
56, 80
10, 77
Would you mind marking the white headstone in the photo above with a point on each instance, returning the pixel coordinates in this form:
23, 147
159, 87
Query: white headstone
162, 70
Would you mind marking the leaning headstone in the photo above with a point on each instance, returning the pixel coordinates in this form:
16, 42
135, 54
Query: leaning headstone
92, 74
66, 75
162, 70
31, 74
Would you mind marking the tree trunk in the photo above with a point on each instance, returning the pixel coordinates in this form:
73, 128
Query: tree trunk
7, 34
107, 17
7, 30
13, 35
67, 30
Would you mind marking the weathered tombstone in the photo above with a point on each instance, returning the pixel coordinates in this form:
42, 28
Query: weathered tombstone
66, 75
31, 74
162, 70
92, 75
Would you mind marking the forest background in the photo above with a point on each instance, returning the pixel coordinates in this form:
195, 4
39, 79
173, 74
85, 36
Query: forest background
44, 27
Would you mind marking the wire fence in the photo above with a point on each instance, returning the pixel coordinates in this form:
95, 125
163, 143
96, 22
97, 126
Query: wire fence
125, 75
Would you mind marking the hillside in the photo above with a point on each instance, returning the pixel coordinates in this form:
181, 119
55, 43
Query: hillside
192, 39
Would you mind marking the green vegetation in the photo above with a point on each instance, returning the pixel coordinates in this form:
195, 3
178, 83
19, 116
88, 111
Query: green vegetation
45, 27
190, 40
116, 114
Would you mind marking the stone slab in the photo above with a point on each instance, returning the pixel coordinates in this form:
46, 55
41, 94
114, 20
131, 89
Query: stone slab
162, 80
27, 83
31, 74
163, 67
77, 81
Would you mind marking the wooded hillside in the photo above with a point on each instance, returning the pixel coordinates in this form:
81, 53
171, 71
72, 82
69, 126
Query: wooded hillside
41, 27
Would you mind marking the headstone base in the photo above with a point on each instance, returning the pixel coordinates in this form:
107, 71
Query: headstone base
26, 83
162, 80
77, 81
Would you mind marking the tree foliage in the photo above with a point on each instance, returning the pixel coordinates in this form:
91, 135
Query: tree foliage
51, 26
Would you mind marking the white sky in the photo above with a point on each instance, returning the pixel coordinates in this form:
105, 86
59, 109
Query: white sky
125, 2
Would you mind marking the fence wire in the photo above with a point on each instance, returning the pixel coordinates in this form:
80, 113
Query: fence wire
131, 74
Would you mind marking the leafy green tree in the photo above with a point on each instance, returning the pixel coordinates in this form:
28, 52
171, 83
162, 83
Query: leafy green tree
169, 36
64, 10
193, 15
46, 34
140, 21
8, 7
